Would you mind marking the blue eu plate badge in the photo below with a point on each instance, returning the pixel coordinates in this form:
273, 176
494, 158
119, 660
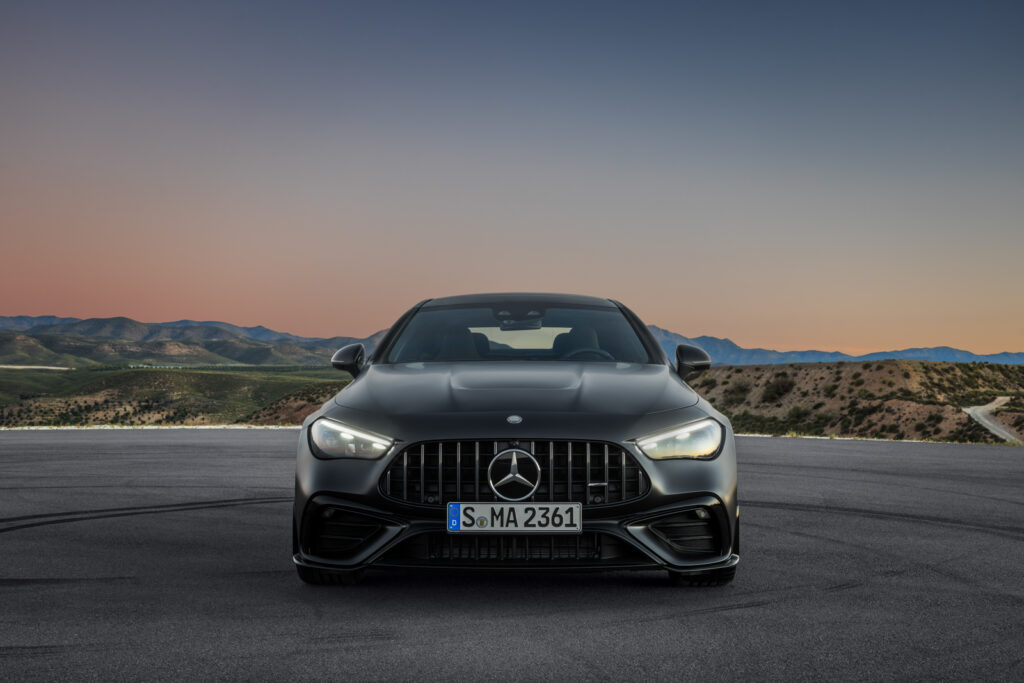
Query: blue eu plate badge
453, 516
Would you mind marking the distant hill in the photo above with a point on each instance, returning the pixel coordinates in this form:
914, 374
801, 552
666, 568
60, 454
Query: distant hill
725, 352
27, 340
122, 341
258, 332
25, 322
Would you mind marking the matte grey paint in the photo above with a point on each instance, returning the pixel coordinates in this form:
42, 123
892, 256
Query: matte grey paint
598, 401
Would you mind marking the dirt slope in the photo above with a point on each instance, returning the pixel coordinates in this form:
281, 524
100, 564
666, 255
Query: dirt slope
885, 399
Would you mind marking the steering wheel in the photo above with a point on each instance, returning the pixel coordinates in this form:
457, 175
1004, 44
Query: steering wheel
588, 349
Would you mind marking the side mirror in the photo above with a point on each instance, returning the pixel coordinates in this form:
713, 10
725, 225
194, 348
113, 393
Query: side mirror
691, 361
349, 358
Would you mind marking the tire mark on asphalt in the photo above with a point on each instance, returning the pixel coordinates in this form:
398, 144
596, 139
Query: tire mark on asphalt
66, 581
788, 594
732, 607
5, 520
32, 521
123, 486
802, 469
982, 586
346, 635
772, 472
863, 547
934, 567
7, 651
729, 608
1013, 532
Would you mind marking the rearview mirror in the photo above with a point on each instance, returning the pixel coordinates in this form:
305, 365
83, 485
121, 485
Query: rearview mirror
691, 361
349, 358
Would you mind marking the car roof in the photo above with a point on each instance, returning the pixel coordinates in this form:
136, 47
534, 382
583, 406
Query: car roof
510, 297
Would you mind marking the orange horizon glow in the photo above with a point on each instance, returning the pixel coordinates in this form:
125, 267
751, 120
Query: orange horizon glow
382, 319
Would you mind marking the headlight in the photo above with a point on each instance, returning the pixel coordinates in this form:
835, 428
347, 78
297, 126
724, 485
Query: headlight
700, 439
332, 439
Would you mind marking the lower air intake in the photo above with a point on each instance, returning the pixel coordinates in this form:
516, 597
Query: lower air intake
690, 532
336, 533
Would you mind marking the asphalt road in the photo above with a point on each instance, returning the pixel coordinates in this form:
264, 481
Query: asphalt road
165, 554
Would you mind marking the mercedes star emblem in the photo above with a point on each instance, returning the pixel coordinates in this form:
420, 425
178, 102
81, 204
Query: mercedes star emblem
513, 419
514, 474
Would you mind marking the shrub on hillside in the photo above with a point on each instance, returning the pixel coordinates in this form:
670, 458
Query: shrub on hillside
802, 423
778, 387
797, 414
735, 394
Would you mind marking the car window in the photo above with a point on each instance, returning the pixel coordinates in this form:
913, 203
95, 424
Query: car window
518, 331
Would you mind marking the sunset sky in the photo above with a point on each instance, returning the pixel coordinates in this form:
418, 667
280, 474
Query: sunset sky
844, 176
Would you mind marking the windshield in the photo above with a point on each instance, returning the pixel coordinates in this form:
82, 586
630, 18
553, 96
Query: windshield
518, 331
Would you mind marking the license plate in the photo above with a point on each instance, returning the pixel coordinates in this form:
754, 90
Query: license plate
519, 518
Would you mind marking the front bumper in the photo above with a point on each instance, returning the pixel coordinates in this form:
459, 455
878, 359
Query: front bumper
335, 534
343, 522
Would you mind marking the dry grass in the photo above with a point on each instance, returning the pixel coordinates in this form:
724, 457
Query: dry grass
885, 400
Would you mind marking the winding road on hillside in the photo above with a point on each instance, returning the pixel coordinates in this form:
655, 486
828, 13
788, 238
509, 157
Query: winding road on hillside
983, 416
134, 554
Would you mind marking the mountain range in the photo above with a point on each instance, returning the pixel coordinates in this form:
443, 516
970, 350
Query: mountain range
52, 340
726, 352
73, 342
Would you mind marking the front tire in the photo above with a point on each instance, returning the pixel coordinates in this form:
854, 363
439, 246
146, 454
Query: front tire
319, 577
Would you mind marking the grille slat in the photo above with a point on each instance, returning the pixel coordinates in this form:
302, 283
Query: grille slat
622, 474
569, 470
588, 469
606, 467
551, 472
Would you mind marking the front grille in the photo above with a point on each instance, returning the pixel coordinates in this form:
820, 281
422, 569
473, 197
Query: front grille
589, 472
336, 533
692, 531
510, 549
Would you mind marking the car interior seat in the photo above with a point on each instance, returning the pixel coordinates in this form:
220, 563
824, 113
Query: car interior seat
575, 339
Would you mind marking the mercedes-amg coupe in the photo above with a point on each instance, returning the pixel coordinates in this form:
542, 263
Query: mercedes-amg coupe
517, 432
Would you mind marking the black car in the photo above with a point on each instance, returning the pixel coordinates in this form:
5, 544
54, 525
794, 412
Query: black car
517, 432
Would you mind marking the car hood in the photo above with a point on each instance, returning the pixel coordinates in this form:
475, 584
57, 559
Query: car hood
622, 389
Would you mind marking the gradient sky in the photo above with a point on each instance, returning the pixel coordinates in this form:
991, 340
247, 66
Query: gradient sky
792, 175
